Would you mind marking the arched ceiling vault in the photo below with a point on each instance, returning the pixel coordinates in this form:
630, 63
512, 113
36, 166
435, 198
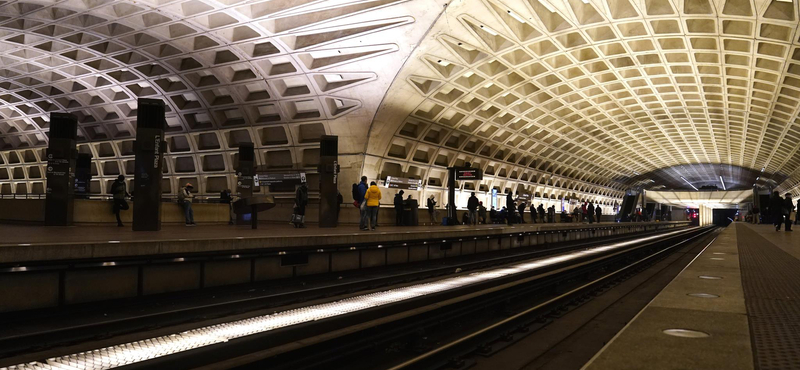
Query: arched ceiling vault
554, 95
601, 90
279, 73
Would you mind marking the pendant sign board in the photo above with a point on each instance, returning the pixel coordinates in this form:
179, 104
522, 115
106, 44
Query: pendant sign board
469, 174
266, 179
524, 197
403, 183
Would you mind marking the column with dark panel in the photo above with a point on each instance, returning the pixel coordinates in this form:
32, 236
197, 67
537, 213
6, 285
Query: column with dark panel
328, 181
245, 171
149, 151
61, 157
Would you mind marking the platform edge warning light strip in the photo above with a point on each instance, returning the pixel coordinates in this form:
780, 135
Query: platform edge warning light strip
143, 350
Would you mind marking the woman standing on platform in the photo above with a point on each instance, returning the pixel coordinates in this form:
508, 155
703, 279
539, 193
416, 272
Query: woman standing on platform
185, 199
373, 199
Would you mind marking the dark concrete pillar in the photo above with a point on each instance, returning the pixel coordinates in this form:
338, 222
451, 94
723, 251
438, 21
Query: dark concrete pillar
246, 170
328, 181
61, 156
149, 151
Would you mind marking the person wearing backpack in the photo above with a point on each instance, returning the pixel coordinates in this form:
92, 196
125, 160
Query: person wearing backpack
300, 203
185, 199
119, 192
359, 192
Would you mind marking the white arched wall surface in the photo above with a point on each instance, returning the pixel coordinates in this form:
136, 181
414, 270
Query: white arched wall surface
595, 92
279, 73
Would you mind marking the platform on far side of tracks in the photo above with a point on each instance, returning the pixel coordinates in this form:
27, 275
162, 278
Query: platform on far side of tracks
736, 306
21, 244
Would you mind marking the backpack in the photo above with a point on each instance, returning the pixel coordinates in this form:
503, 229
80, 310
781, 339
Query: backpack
356, 193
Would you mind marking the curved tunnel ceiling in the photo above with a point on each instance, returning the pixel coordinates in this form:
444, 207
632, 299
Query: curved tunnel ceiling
563, 94
601, 90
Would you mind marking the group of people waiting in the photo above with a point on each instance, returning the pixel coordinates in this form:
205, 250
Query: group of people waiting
781, 210
119, 194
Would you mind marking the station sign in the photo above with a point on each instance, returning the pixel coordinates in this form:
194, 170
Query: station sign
393, 182
267, 179
469, 174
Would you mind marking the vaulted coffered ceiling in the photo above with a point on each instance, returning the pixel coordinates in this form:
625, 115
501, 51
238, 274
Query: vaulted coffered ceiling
554, 96
602, 90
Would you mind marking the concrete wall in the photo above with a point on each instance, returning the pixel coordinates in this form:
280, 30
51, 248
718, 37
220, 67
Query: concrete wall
99, 212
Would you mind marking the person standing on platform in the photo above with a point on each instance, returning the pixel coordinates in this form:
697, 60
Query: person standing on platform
225, 197
119, 192
432, 210
788, 207
185, 199
598, 212
481, 213
361, 192
541, 212
398, 209
576, 214
472, 207
521, 210
590, 212
583, 212
551, 214
797, 210
510, 207
300, 203
533, 212
776, 210
373, 201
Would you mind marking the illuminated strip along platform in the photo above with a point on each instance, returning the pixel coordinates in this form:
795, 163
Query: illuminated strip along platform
143, 350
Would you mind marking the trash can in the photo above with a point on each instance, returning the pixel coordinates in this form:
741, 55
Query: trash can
411, 214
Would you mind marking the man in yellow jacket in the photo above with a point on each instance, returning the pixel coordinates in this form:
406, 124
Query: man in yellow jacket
373, 199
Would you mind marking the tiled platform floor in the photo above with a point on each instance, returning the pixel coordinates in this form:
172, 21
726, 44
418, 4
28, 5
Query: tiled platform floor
743, 291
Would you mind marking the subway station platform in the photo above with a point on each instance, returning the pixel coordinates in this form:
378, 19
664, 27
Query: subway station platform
58, 266
736, 306
21, 244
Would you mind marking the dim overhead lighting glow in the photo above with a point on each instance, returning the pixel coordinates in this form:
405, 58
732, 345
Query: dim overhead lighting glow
147, 349
723, 183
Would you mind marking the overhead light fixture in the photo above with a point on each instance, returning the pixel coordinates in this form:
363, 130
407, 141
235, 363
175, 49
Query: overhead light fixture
547, 6
763, 168
723, 183
687, 181
585, 1
489, 30
757, 178
516, 16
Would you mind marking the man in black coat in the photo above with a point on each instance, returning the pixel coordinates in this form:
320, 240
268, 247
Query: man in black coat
510, 207
533, 213
398, 209
521, 210
541, 212
776, 210
590, 212
788, 207
472, 206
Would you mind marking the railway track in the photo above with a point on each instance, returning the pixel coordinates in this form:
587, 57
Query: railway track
300, 345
